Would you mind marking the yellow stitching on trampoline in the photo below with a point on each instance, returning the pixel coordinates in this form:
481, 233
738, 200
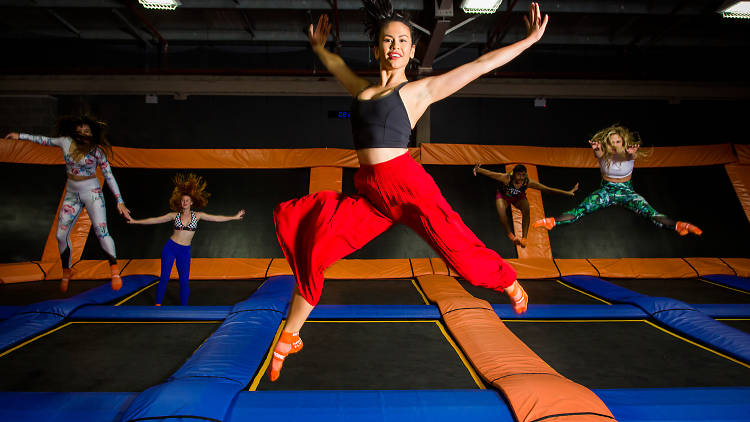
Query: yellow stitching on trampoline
134, 294
267, 361
581, 291
461, 356
699, 345
419, 289
721, 285
33, 339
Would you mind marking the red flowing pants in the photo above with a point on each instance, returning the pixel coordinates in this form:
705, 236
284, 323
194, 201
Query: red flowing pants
317, 230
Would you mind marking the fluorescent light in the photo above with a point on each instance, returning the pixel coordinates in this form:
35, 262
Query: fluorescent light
480, 6
735, 9
160, 4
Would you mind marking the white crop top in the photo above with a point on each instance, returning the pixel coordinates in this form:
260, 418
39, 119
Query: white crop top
616, 169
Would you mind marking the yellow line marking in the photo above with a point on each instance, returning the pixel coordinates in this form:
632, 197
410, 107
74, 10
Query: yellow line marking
134, 294
362, 321
726, 287
34, 339
698, 345
583, 292
461, 356
267, 361
419, 289
732, 319
147, 322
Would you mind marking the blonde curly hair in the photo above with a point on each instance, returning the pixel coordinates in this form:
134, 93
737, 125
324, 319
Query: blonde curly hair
191, 185
629, 138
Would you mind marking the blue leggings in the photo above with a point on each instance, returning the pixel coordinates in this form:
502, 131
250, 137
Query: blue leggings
173, 251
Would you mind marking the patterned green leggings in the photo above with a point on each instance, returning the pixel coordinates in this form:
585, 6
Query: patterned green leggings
621, 194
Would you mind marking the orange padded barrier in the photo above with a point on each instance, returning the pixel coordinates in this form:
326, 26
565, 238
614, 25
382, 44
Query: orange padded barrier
532, 268
708, 266
538, 241
18, 272
421, 266
700, 155
325, 178
740, 177
740, 265
369, 269
204, 268
643, 268
533, 389
279, 266
439, 266
576, 267
743, 153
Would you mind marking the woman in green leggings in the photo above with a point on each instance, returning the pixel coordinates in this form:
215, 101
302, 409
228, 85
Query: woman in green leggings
616, 148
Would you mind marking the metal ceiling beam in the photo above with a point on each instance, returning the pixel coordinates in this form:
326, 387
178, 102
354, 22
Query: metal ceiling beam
215, 4
65, 23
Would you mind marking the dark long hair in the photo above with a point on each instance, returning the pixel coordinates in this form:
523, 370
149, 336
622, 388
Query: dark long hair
378, 13
67, 125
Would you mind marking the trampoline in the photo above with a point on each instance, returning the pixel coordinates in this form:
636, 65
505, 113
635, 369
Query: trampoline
394, 337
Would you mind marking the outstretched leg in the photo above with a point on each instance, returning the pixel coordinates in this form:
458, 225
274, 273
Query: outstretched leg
597, 200
66, 219
314, 232
503, 207
628, 198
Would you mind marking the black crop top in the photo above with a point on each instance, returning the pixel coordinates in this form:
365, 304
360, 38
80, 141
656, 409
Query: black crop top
381, 122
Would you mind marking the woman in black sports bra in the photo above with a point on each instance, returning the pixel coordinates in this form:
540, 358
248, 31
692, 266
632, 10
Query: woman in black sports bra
189, 192
321, 228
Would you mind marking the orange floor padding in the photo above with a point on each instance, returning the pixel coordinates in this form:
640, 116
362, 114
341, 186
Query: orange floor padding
533, 389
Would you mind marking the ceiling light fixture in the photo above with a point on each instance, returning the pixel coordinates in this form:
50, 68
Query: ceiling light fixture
160, 4
480, 6
735, 9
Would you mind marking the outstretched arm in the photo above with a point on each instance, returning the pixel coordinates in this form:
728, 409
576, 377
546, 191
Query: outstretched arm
632, 151
155, 220
536, 185
500, 177
221, 218
37, 139
333, 62
438, 87
101, 158
597, 148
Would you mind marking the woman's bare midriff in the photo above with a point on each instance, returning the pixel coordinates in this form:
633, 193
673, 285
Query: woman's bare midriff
79, 178
372, 156
617, 180
182, 237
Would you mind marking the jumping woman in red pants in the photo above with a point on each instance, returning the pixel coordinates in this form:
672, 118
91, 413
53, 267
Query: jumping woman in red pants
317, 230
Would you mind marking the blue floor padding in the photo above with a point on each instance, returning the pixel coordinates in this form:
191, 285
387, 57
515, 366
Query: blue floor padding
571, 312
151, 313
715, 404
722, 310
375, 312
8, 311
37, 318
63, 407
741, 283
205, 386
678, 316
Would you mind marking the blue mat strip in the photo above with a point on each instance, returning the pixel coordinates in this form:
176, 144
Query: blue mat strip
678, 316
205, 386
8, 311
572, 312
730, 281
151, 313
712, 404
39, 317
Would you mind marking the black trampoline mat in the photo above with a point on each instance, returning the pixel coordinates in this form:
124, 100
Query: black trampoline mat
740, 324
540, 292
202, 293
372, 356
19, 294
627, 354
688, 290
91, 357
371, 292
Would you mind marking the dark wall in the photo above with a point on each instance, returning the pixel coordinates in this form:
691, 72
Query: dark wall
570, 123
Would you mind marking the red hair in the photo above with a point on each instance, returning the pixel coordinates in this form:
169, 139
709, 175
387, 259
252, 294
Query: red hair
192, 186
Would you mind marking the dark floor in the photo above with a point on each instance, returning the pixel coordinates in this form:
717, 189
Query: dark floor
202, 293
547, 292
371, 292
37, 291
684, 289
622, 354
740, 324
372, 356
86, 357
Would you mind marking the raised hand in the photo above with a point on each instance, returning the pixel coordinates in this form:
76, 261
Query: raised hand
12, 135
476, 167
239, 215
535, 26
595, 145
319, 35
572, 192
632, 149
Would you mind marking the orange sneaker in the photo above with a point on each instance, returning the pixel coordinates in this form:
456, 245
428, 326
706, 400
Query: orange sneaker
518, 297
548, 223
67, 274
684, 228
116, 280
288, 344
